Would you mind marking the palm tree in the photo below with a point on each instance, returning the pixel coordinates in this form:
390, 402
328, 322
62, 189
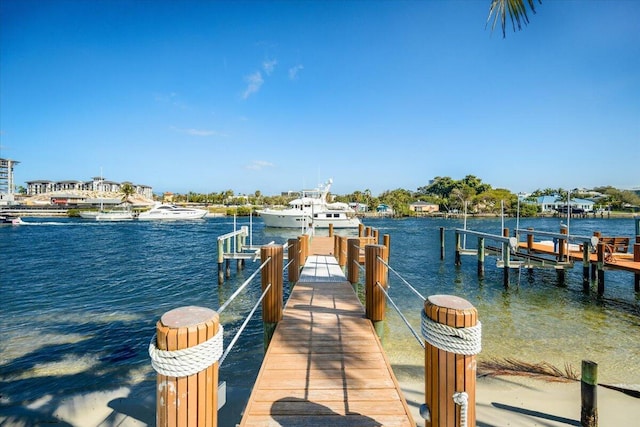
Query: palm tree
517, 10
127, 190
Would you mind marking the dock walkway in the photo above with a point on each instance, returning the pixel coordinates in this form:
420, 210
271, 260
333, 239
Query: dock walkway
325, 365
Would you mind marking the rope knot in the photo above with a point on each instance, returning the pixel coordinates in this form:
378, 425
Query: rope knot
188, 361
465, 341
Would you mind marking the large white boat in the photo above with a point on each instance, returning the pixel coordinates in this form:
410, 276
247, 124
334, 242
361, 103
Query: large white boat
312, 209
117, 214
162, 211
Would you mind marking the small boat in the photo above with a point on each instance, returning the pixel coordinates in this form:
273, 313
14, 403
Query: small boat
312, 209
162, 211
117, 214
10, 220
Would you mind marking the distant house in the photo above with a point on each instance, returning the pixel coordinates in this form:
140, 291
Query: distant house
550, 204
423, 208
383, 209
359, 207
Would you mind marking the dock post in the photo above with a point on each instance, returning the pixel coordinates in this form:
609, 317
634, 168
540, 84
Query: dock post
636, 258
353, 262
481, 257
530, 248
588, 394
637, 219
331, 230
361, 230
187, 391
376, 235
220, 262
386, 241
375, 273
600, 269
272, 302
563, 255
458, 260
586, 285
304, 248
506, 259
452, 334
342, 251
293, 272
441, 243
594, 266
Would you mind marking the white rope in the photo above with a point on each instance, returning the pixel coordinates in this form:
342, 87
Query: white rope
466, 341
188, 361
461, 398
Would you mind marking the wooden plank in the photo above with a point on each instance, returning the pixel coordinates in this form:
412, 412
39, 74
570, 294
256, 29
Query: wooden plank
326, 366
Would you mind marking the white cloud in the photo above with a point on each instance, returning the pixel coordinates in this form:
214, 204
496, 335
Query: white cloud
254, 81
293, 71
259, 164
269, 66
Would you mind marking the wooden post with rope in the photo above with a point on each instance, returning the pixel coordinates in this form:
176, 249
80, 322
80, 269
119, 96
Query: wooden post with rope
450, 373
293, 272
375, 273
190, 400
272, 302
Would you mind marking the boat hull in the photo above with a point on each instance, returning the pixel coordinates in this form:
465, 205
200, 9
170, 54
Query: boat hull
285, 219
172, 213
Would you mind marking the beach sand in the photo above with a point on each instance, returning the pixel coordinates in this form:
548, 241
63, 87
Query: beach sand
500, 401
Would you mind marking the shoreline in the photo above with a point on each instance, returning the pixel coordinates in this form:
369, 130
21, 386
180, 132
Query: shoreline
500, 401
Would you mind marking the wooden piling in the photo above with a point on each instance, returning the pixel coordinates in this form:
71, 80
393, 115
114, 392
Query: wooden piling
304, 248
441, 243
480, 257
600, 264
589, 394
293, 272
458, 258
447, 373
331, 230
586, 284
506, 259
272, 302
190, 400
636, 258
220, 261
342, 251
375, 272
353, 261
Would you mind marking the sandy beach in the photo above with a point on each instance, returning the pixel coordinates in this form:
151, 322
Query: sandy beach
501, 401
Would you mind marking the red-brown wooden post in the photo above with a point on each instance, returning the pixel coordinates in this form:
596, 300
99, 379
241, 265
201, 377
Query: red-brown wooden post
304, 249
184, 398
375, 272
361, 230
342, 251
331, 230
353, 261
636, 258
272, 302
293, 271
450, 368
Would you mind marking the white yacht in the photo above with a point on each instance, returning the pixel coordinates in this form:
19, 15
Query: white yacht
162, 211
312, 209
123, 213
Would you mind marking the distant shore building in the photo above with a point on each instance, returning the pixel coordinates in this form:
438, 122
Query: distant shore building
7, 186
95, 184
423, 208
550, 204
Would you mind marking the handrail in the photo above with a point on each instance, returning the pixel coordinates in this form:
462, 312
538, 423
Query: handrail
403, 280
246, 282
406, 322
244, 324
592, 240
512, 241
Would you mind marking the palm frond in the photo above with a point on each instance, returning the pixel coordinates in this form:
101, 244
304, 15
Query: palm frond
516, 9
542, 370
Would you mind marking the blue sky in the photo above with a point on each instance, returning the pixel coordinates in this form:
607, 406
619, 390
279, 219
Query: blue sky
208, 96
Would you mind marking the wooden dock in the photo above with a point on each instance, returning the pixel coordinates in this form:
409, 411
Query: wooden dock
325, 365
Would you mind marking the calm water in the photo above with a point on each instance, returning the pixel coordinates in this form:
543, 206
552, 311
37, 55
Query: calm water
80, 301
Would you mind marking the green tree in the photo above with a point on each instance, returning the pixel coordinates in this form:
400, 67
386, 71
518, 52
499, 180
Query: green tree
127, 191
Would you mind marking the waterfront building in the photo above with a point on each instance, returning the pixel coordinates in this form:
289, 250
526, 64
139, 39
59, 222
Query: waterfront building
7, 186
95, 184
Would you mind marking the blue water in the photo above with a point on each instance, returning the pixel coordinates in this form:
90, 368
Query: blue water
80, 301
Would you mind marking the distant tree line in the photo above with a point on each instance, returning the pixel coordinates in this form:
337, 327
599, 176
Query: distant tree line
469, 194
